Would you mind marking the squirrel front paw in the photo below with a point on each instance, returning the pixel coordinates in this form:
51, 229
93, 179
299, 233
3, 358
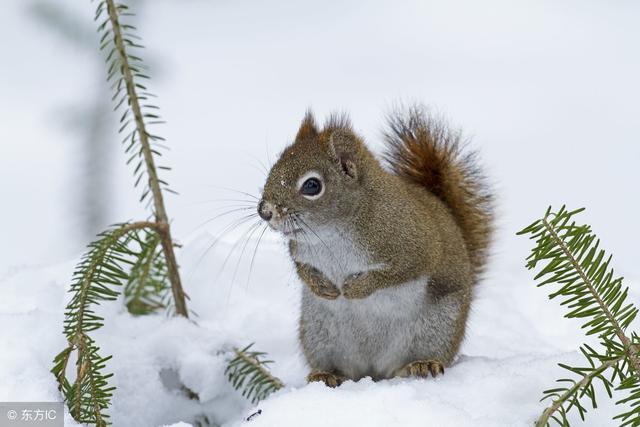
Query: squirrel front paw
317, 282
324, 289
356, 286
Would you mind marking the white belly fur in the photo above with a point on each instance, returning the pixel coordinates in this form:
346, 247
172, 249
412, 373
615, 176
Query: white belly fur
369, 336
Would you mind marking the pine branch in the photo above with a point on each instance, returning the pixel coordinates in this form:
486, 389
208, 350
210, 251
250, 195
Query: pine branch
248, 371
126, 69
147, 287
631, 384
579, 389
572, 258
102, 269
96, 279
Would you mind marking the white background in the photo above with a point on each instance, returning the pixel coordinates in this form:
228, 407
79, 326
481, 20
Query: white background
547, 90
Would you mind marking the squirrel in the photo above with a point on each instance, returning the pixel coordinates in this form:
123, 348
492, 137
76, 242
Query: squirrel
389, 252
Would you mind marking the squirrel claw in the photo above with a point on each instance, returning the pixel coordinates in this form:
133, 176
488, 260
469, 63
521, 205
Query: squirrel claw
422, 369
326, 291
329, 379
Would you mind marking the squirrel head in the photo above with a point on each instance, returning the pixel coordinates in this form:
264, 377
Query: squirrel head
318, 180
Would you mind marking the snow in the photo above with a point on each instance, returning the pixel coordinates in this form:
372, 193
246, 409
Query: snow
514, 341
532, 82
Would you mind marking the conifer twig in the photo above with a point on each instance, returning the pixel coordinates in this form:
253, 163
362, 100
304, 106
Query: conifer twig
163, 227
619, 331
259, 364
573, 260
147, 285
247, 371
586, 380
95, 266
112, 260
95, 280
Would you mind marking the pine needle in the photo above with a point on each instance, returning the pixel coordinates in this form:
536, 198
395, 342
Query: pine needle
248, 372
97, 278
568, 256
147, 288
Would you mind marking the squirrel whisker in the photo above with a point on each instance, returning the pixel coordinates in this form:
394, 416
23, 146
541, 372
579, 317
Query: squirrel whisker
204, 202
245, 235
216, 239
255, 251
235, 191
220, 215
255, 228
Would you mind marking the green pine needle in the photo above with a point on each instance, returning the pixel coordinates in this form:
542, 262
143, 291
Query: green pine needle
248, 372
139, 255
97, 278
147, 288
568, 256
138, 113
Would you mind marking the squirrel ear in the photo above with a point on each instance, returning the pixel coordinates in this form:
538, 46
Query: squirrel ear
343, 149
308, 127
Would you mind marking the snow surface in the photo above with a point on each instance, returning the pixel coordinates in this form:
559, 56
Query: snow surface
513, 343
532, 81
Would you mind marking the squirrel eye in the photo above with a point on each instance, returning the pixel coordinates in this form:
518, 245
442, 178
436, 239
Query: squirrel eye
311, 187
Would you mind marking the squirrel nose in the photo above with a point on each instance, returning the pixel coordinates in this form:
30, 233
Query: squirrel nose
264, 212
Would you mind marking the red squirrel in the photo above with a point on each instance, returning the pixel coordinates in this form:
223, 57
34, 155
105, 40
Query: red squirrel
389, 255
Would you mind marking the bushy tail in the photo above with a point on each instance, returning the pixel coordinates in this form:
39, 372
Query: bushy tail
423, 149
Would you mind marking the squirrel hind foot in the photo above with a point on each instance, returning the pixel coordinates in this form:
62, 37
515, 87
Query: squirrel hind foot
421, 369
329, 379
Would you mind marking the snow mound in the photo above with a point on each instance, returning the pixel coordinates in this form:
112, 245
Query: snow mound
514, 340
